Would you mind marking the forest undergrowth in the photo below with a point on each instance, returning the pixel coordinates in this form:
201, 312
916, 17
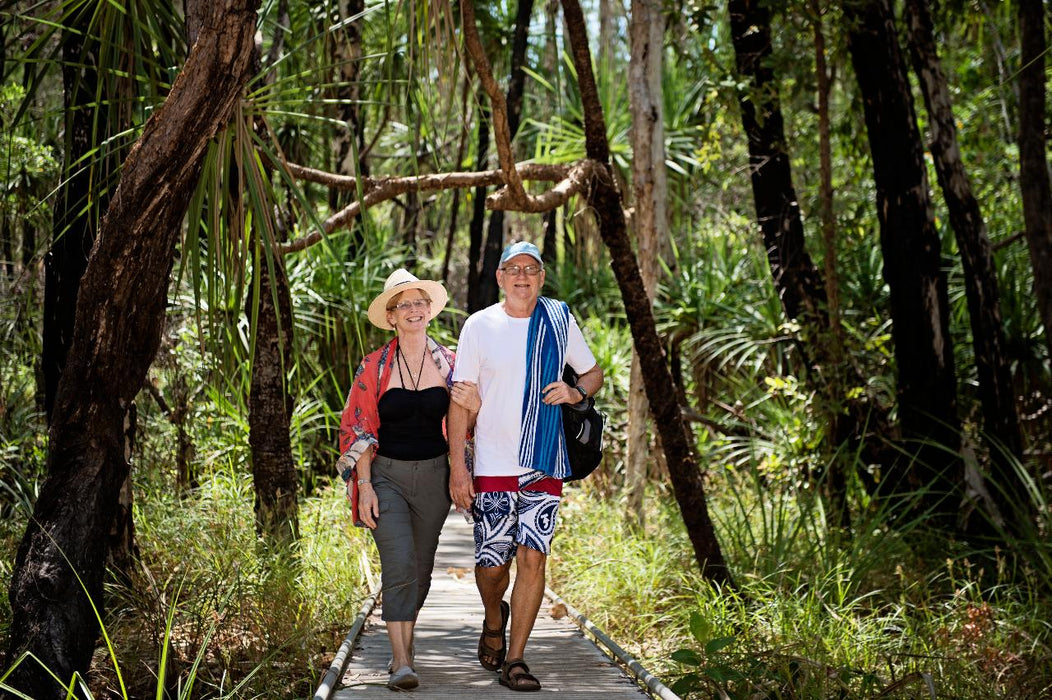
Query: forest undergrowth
888, 614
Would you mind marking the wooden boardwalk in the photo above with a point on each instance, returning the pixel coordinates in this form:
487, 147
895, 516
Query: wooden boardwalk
447, 633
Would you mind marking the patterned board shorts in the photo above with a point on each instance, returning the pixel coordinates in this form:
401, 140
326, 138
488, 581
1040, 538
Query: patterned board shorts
506, 519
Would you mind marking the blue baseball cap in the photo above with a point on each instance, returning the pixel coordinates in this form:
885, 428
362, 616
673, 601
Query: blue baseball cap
520, 248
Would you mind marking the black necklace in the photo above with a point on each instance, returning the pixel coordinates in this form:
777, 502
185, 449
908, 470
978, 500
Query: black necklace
419, 373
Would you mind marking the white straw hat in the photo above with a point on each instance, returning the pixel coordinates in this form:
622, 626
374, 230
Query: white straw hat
399, 281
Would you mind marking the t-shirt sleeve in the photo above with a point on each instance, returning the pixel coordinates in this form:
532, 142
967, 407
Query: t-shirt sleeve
467, 367
578, 355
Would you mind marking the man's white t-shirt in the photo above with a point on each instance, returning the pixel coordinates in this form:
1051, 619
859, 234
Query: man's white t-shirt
492, 353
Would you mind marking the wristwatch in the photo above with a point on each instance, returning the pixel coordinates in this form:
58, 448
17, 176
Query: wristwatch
584, 394
362, 482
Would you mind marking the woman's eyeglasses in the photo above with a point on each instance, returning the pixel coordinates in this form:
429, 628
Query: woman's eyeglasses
516, 270
418, 304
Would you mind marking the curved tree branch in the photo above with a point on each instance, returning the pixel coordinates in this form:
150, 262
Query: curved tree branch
379, 190
515, 196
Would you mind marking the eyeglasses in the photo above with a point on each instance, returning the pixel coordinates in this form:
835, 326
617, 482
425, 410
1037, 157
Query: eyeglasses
418, 304
516, 270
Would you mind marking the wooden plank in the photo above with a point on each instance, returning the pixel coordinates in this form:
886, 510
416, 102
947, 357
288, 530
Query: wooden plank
447, 638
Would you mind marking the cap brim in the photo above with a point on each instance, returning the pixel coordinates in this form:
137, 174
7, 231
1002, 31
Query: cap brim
377, 312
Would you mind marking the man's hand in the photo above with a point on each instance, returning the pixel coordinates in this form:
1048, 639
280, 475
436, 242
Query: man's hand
461, 487
368, 505
560, 392
466, 395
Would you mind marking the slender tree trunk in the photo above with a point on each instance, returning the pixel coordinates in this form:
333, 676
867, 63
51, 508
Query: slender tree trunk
912, 264
1033, 164
270, 404
120, 317
75, 217
795, 276
840, 427
1000, 417
647, 33
516, 87
688, 482
777, 207
349, 146
455, 206
478, 215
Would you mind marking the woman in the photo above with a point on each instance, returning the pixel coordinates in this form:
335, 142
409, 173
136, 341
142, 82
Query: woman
394, 453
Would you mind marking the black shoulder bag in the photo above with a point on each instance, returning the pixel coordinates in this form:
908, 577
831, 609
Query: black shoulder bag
583, 427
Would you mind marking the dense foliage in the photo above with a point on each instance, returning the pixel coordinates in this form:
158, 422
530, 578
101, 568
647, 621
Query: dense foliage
891, 608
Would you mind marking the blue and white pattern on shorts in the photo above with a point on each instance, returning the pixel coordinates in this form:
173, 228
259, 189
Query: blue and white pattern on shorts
506, 519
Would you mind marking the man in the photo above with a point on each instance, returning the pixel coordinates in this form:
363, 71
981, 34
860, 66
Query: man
515, 351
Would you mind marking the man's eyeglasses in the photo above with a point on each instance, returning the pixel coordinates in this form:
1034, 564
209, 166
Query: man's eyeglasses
516, 270
418, 304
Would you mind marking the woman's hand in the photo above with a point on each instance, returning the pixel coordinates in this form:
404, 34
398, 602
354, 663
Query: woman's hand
466, 395
368, 505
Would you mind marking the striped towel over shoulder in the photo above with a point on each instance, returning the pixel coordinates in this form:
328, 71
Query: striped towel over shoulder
541, 443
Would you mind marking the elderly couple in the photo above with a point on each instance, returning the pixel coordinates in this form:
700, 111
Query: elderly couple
505, 383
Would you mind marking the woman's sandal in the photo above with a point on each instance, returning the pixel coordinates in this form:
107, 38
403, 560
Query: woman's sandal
522, 680
487, 652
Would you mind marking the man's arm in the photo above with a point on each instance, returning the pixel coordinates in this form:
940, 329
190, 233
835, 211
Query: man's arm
461, 489
561, 392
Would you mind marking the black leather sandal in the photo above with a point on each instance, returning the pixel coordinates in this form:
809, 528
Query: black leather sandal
487, 652
522, 681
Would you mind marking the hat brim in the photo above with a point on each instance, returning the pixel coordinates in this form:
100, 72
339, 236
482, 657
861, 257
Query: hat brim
377, 312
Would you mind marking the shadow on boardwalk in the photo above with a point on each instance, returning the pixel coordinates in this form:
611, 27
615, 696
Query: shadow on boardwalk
447, 635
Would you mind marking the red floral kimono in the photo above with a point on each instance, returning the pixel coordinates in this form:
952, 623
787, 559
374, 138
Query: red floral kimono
360, 423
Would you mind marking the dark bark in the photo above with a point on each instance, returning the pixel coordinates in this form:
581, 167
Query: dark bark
478, 211
1033, 164
548, 253
76, 213
796, 278
350, 145
120, 317
688, 482
488, 290
270, 405
1000, 417
777, 208
912, 265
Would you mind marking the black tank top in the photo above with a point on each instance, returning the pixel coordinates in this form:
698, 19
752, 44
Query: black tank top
411, 423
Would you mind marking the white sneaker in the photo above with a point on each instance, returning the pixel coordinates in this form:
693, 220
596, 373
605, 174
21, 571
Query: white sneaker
404, 678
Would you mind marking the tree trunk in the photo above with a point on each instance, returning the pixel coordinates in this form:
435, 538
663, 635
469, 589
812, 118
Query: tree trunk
688, 482
1000, 417
835, 486
777, 208
478, 214
270, 404
75, 211
795, 276
120, 317
488, 291
647, 33
349, 146
912, 265
1033, 165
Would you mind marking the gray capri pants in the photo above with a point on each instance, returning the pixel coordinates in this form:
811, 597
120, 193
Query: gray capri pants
414, 500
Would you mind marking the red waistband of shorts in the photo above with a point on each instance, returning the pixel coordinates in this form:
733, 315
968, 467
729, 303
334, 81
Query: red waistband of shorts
488, 484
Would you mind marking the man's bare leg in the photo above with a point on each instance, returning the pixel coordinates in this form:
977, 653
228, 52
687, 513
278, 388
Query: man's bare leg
526, 598
492, 582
